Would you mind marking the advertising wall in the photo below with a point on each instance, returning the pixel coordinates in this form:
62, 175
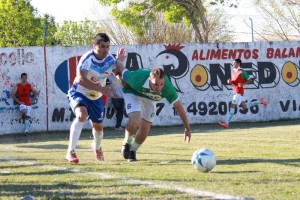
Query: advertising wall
197, 71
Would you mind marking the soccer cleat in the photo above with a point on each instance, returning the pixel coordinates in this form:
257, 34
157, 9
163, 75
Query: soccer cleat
263, 102
132, 157
72, 158
119, 128
98, 153
126, 151
223, 124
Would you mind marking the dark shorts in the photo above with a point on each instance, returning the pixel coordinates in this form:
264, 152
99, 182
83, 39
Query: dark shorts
95, 108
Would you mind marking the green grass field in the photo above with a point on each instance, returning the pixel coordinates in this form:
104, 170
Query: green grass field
254, 161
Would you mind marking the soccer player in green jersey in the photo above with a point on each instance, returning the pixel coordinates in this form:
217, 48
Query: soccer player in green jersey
142, 89
239, 78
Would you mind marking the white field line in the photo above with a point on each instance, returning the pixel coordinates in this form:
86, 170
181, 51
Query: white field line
195, 192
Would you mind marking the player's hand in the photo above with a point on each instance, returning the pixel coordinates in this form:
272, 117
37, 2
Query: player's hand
121, 54
187, 136
109, 92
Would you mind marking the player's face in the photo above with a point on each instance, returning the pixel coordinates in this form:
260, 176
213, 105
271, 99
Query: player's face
24, 79
101, 50
235, 64
156, 84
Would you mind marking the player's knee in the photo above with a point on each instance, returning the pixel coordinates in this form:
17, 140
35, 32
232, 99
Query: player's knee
82, 117
81, 114
97, 126
244, 106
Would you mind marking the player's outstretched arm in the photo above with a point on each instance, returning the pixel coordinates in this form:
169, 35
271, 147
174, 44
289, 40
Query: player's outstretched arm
121, 56
181, 112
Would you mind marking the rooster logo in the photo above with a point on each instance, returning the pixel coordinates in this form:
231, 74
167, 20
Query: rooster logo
175, 63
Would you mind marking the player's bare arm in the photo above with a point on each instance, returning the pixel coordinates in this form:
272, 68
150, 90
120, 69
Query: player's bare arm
181, 112
35, 94
13, 95
81, 78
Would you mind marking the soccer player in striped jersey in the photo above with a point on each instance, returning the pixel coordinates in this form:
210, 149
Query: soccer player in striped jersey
85, 95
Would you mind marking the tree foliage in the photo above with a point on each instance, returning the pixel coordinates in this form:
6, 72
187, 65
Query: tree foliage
20, 24
76, 33
281, 19
193, 13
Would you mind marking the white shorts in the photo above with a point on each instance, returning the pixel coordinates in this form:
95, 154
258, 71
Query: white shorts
134, 103
27, 108
237, 99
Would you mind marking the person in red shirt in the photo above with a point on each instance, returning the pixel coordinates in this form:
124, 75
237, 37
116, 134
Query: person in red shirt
239, 78
21, 95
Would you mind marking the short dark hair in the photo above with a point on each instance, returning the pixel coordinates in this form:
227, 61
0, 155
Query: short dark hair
23, 74
238, 61
101, 37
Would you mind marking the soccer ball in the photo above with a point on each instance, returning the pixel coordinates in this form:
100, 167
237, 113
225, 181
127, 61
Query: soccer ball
204, 160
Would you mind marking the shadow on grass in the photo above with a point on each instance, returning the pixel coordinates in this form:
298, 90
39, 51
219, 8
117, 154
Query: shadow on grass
291, 162
69, 191
55, 136
234, 172
274, 123
52, 146
110, 133
41, 191
41, 173
215, 127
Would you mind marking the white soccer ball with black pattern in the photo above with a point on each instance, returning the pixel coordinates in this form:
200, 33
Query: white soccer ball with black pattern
204, 160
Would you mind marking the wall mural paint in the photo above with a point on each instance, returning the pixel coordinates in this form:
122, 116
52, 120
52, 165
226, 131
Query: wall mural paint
175, 65
197, 71
14, 61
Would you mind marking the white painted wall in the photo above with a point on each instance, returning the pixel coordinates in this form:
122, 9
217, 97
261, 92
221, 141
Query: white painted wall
275, 67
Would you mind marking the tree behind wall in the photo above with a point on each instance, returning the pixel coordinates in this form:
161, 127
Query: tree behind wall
20, 25
76, 33
193, 14
281, 19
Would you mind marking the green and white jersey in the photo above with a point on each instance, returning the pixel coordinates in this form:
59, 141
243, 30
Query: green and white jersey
138, 81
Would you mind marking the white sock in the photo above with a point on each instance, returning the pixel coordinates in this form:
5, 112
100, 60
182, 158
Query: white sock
229, 116
27, 125
98, 136
75, 132
128, 139
134, 146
